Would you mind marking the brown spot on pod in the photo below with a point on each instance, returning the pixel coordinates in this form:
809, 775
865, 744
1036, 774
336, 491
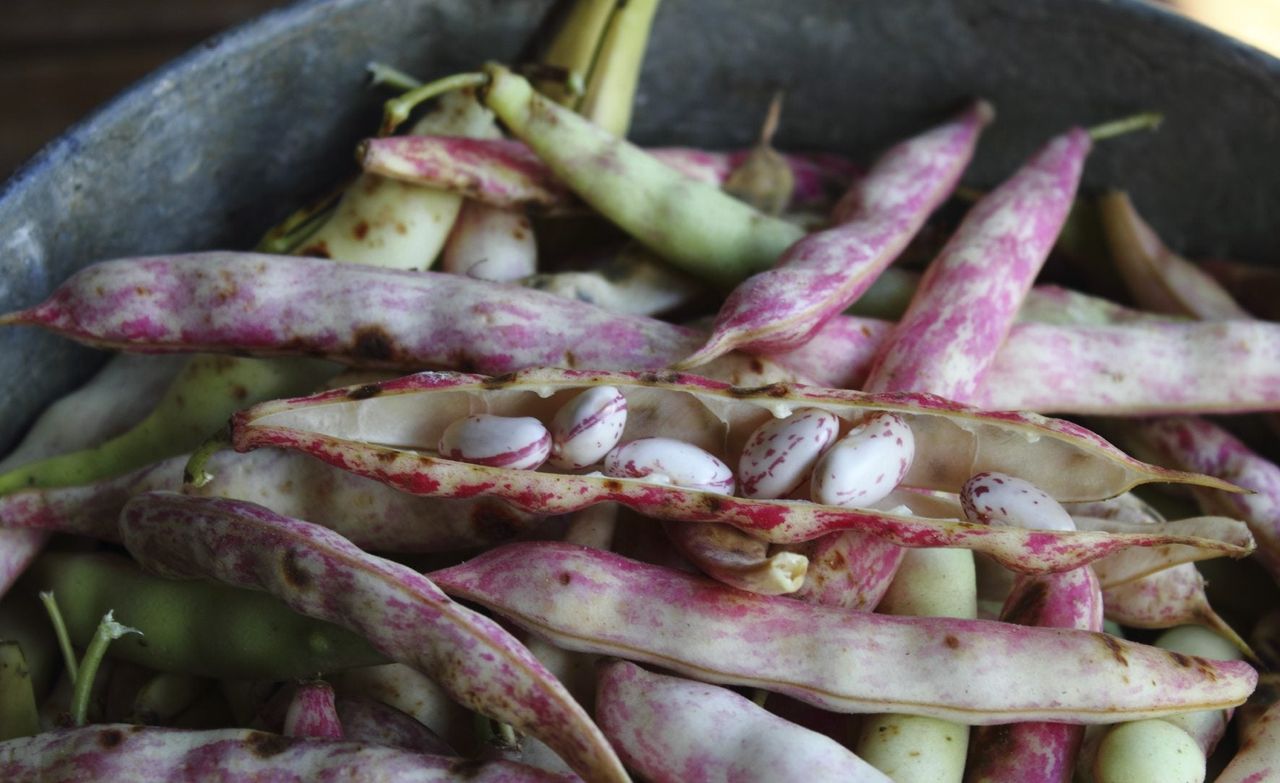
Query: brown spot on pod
951, 642
361, 229
264, 745
499, 381
1028, 604
496, 521
1116, 649
110, 738
364, 392
292, 570
374, 344
318, 250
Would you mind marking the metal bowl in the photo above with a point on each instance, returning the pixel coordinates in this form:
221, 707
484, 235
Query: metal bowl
215, 147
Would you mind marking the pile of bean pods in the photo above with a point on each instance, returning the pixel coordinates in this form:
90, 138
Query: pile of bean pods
503, 522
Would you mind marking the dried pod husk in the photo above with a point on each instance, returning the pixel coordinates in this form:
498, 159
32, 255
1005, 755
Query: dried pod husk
386, 431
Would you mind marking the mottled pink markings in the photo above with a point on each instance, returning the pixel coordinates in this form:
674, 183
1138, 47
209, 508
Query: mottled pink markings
670, 461
780, 454
823, 273
1258, 759
514, 442
867, 464
673, 730
149, 754
502, 172
587, 427
967, 301
402, 614
978, 672
1200, 445
312, 712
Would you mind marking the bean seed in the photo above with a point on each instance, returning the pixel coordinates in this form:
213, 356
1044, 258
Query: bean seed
588, 427
780, 454
669, 461
1000, 499
519, 443
867, 464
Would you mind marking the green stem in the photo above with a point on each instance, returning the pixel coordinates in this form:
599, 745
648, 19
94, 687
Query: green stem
60, 630
574, 49
397, 110
108, 631
194, 474
381, 74
611, 88
1145, 121
305, 221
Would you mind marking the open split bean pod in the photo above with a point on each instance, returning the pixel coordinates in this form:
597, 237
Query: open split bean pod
388, 431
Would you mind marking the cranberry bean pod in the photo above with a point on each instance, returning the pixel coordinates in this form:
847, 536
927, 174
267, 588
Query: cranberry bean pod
398, 319
1201, 445
692, 224
1147, 368
346, 427
1258, 758
1124, 567
973, 671
312, 712
1206, 727
970, 294
404, 615
145, 754
831, 580
374, 516
506, 173
411, 692
1174, 596
370, 721
707, 733
1160, 280
823, 273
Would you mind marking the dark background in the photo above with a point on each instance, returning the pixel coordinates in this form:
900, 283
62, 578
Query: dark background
59, 59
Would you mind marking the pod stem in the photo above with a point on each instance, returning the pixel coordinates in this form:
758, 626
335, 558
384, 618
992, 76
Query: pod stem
573, 50
397, 110
194, 473
1138, 122
108, 631
60, 631
383, 75
306, 220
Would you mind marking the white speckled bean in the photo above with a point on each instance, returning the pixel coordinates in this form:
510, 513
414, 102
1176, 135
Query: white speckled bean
588, 427
1001, 499
669, 461
519, 443
780, 454
866, 464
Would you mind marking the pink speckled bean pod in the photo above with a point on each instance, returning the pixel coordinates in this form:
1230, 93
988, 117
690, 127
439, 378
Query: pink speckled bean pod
1201, 445
974, 671
312, 712
507, 173
1258, 759
970, 294
145, 754
370, 721
832, 580
673, 730
823, 273
1146, 368
374, 516
1174, 596
1159, 279
1122, 568
404, 615
274, 305
1038, 752
731, 556
378, 430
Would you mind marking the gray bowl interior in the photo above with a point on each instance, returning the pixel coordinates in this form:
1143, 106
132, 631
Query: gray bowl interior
217, 146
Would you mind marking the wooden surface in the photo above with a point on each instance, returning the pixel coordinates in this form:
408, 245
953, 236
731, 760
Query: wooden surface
60, 59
